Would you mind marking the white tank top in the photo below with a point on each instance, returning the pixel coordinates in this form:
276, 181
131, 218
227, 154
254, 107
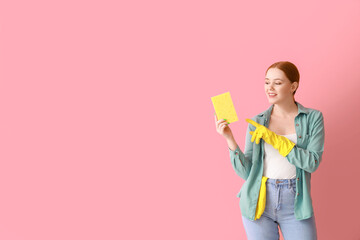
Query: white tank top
275, 165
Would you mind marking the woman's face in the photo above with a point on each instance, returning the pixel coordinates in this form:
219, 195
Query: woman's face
278, 87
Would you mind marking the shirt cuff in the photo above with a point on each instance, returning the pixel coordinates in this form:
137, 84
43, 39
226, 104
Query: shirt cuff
236, 152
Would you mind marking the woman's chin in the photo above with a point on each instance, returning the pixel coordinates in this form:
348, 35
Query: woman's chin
271, 101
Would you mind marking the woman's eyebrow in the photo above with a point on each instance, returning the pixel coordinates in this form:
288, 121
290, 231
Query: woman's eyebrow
274, 79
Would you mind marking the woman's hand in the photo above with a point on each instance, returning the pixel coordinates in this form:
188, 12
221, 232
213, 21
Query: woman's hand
222, 128
281, 143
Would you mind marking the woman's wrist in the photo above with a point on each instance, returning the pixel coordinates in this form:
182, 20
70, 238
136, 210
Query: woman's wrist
231, 143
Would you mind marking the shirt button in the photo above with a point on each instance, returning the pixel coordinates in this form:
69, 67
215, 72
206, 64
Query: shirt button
315, 161
237, 153
298, 179
300, 136
297, 124
298, 194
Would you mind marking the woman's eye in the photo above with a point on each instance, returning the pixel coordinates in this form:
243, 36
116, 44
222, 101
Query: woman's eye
278, 83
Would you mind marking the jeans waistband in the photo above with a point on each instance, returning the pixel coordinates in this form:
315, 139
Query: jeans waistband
281, 181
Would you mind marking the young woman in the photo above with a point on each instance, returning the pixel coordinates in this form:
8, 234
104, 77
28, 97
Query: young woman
284, 145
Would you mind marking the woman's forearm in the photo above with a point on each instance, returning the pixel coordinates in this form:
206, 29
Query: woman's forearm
231, 143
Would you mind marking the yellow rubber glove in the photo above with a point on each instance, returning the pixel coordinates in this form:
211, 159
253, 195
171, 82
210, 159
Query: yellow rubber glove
281, 143
260, 208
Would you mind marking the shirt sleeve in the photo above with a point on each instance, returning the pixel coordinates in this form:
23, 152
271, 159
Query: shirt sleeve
309, 159
240, 161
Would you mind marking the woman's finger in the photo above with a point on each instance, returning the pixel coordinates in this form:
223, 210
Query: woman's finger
219, 126
224, 124
258, 137
253, 122
253, 136
219, 122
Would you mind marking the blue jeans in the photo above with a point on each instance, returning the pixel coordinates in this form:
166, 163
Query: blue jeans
279, 211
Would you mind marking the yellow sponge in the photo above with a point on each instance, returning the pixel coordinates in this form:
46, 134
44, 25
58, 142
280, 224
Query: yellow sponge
224, 107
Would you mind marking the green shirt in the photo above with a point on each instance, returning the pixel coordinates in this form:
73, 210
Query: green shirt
306, 156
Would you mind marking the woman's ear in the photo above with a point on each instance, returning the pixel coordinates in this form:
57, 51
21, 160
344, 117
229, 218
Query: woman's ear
294, 86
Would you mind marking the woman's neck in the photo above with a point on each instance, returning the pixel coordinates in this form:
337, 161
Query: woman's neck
284, 109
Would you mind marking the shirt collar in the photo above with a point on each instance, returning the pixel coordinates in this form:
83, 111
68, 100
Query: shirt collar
267, 113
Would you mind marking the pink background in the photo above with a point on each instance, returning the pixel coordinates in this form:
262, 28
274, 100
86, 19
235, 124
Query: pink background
107, 127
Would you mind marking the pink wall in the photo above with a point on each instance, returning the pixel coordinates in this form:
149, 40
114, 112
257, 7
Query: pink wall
107, 127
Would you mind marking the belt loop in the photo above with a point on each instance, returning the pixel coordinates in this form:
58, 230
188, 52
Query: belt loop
289, 183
